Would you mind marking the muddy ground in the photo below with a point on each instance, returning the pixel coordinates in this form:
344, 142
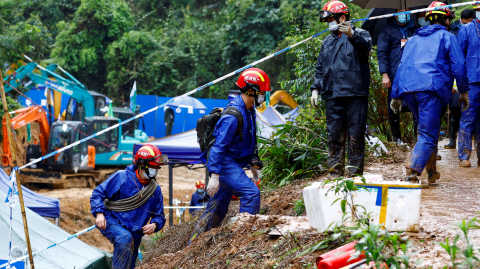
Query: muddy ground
454, 198
75, 203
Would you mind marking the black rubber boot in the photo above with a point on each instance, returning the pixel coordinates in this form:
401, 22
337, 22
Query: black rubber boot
452, 134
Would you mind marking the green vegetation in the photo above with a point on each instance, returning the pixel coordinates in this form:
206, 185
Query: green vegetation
167, 46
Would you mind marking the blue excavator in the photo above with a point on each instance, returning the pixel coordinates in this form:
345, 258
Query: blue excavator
85, 112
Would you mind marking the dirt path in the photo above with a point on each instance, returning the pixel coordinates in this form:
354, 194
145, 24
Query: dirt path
75, 203
454, 198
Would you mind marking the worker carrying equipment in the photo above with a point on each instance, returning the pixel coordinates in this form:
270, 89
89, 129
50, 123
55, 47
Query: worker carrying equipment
199, 197
126, 201
469, 40
230, 153
342, 78
431, 60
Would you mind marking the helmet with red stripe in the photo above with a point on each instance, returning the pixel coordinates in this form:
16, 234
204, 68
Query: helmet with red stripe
254, 78
148, 156
441, 11
200, 184
334, 9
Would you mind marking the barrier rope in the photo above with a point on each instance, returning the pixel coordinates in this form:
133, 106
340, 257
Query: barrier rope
232, 74
207, 85
54, 245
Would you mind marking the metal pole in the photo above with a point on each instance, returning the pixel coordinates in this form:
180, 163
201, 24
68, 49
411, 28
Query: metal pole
14, 161
206, 176
170, 193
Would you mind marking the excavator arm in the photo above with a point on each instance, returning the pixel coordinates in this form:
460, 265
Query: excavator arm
74, 89
24, 117
277, 97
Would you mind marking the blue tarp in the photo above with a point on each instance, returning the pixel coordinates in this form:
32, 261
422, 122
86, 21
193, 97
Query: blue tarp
42, 205
184, 147
155, 122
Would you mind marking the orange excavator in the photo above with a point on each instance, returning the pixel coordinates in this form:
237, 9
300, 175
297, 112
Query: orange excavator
25, 116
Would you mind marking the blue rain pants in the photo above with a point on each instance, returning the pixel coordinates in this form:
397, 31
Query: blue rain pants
125, 245
469, 122
233, 181
426, 107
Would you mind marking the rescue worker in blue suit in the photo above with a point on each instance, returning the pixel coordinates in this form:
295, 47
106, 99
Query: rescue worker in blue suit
455, 111
469, 40
430, 61
390, 42
231, 153
199, 197
125, 222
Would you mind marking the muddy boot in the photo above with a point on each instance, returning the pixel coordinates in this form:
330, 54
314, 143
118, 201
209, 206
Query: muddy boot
412, 176
433, 176
465, 163
452, 144
439, 157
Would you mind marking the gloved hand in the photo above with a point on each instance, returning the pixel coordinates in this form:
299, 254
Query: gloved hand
396, 105
346, 28
314, 98
213, 184
256, 175
465, 100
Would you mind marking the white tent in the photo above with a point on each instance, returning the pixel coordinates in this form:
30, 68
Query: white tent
71, 254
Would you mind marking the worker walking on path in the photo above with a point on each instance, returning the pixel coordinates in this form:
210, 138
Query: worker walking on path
129, 204
430, 61
199, 197
234, 148
390, 42
469, 39
342, 78
467, 16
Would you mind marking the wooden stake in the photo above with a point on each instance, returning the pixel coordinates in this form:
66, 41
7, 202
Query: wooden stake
14, 161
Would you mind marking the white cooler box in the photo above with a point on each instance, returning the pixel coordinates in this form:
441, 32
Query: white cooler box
394, 204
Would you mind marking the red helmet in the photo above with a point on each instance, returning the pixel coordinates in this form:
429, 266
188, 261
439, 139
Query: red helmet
333, 8
148, 156
200, 184
256, 78
445, 11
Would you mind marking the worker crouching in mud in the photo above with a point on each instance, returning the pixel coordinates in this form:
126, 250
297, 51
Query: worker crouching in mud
125, 202
430, 61
343, 79
232, 151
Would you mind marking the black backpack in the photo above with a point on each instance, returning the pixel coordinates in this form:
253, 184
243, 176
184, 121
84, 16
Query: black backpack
206, 126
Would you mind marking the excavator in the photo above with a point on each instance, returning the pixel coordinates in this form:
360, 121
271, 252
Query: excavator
84, 112
25, 116
280, 100
74, 167
81, 105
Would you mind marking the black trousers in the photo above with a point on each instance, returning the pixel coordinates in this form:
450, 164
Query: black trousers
393, 119
346, 119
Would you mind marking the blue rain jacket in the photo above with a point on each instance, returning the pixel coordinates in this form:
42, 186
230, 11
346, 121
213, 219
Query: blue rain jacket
389, 46
470, 44
430, 61
198, 200
228, 146
124, 184
342, 68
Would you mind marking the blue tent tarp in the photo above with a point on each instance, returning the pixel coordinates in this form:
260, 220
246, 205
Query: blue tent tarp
184, 147
42, 205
